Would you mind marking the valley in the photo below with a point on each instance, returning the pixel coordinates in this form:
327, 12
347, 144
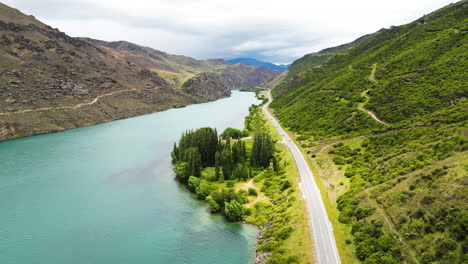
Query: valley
51, 82
353, 154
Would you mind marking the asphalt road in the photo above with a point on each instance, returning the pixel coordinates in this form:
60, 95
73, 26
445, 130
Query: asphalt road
322, 230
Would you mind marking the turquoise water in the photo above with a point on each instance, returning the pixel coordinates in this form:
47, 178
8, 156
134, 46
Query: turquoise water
107, 194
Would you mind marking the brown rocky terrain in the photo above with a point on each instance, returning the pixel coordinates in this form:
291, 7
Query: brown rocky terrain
178, 68
206, 86
51, 82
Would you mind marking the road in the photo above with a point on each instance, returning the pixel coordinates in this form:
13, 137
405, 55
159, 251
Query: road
322, 230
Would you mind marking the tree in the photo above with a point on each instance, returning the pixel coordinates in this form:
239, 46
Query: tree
231, 133
233, 210
214, 206
193, 158
262, 150
202, 191
239, 152
182, 170
217, 164
226, 162
241, 172
175, 153
204, 139
275, 165
193, 183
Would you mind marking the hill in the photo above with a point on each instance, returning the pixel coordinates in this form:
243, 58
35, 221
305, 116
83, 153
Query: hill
314, 60
385, 124
178, 68
51, 82
254, 62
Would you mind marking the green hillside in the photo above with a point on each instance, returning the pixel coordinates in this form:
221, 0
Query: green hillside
313, 60
385, 122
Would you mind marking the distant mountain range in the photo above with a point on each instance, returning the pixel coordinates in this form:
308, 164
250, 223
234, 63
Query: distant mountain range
254, 62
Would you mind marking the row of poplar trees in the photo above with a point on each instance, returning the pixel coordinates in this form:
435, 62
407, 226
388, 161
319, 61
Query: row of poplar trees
201, 148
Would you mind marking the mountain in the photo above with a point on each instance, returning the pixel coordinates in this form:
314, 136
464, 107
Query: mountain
385, 124
309, 61
178, 69
206, 85
254, 62
51, 82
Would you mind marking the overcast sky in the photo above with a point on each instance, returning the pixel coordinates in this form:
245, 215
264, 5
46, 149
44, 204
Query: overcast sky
269, 30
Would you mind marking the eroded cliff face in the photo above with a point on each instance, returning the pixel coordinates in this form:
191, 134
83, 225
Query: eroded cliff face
206, 86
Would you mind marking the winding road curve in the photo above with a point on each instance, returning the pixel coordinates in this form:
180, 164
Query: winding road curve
326, 251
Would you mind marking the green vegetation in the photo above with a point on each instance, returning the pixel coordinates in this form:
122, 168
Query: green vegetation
233, 133
414, 62
252, 89
400, 189
247, 179
201, 149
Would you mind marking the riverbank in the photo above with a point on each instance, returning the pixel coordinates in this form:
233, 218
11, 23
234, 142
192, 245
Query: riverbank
267, 197
78, 196
103, 108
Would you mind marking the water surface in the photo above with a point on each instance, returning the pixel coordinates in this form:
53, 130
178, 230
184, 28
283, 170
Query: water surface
107, 194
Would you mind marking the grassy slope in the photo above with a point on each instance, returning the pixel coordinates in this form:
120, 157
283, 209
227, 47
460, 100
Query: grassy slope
402, 187
179, 68
312, 60
414, 62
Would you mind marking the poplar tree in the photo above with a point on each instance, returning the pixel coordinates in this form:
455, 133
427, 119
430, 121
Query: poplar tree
262, 150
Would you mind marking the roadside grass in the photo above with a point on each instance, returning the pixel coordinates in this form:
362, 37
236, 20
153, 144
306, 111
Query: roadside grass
300, 242
278, 205
321, 166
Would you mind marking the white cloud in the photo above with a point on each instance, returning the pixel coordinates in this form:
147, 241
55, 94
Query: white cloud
272, 30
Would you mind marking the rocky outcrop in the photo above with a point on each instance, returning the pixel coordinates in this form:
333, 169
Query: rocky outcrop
260, 256
245, 76
207, 86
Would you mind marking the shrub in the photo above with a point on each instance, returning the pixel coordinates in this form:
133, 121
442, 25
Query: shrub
233, 210
214, 206
230, 132
253, 192
339, 161
286, 184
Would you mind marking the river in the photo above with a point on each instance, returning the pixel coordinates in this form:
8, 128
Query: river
106, 194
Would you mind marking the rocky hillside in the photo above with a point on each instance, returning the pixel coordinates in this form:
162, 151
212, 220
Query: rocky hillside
51, 82
178, 69
206, 86
385, 127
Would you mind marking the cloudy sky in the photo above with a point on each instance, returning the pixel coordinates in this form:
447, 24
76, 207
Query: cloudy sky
270, 30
